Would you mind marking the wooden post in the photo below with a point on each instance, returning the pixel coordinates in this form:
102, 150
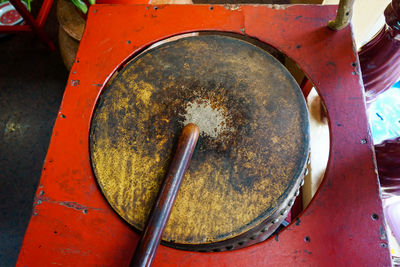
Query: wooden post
343, 16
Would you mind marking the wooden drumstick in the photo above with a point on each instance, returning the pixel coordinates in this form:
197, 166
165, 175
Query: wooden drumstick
154, 228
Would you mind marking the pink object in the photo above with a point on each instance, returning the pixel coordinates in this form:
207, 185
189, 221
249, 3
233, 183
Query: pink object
380, 57
388, 160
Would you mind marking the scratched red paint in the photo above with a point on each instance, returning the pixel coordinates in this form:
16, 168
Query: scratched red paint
337, 222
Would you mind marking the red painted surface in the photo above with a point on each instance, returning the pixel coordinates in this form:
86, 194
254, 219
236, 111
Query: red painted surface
306, 87
73, 225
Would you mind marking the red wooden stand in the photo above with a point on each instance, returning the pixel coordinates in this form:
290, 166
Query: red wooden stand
72, 223
33, 24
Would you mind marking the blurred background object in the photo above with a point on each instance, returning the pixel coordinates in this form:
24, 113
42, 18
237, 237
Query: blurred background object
9, 16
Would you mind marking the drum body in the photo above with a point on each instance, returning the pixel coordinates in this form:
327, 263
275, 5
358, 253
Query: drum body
251, 155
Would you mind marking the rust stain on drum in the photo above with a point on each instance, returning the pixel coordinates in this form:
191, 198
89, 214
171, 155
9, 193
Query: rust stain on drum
251, 151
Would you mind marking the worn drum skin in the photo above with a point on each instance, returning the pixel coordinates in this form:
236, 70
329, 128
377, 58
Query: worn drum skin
250, 157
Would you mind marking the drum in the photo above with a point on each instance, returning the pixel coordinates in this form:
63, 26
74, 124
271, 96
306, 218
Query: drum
252, 151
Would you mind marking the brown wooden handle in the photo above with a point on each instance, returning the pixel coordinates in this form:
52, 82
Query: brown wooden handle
343, 16
151, 236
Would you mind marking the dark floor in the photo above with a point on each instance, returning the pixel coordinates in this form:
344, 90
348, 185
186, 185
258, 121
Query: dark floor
32, 81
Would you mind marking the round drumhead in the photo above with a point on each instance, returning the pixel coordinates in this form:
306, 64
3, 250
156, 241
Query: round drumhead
252, 149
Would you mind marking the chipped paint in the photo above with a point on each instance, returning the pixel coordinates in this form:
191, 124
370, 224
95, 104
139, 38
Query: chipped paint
277, 7
232, 7
69, 204
382, 232
75, 82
